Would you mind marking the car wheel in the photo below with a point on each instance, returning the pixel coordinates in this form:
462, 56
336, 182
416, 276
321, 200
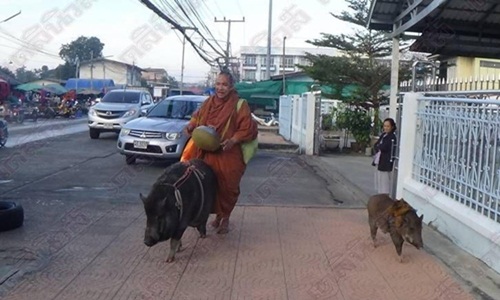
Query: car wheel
11, 215
130, 159
94, 133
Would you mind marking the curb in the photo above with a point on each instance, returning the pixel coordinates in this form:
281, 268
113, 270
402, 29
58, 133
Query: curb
42, 125
272, 146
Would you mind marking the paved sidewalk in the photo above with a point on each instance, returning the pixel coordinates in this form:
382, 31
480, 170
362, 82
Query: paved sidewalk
356, 172
269, 253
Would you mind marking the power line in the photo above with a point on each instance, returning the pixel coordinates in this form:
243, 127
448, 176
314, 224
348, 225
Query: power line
152, 7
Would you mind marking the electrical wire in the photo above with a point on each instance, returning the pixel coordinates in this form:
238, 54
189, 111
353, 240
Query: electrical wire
197, 16
162, 15
185, 18
22, 43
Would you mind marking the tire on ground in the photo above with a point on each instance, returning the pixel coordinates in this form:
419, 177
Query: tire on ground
11, 215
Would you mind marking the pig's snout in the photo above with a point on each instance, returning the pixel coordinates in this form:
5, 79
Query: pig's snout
416, 242
149, 241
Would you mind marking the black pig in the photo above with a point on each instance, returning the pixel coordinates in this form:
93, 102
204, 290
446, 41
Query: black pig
397, 218
177, 201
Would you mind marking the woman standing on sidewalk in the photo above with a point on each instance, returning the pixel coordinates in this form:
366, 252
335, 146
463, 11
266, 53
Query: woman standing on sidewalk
383, 159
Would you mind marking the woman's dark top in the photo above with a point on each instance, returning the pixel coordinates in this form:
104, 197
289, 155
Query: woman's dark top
384, 145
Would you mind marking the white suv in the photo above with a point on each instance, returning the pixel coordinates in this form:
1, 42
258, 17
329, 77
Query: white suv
116, 108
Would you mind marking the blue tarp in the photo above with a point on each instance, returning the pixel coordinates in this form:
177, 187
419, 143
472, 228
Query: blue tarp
97, 84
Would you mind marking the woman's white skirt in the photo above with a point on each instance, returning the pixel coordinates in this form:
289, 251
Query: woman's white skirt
383, 182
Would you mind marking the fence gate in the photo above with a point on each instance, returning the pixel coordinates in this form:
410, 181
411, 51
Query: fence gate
285, 116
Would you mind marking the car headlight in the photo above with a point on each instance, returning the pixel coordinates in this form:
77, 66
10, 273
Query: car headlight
172, 136
124, 131
130, 113
92, 112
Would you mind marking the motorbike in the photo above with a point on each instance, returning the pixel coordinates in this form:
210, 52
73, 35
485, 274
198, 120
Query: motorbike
15, 114
4, 133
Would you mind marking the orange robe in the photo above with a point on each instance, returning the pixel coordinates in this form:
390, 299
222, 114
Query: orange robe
228, 166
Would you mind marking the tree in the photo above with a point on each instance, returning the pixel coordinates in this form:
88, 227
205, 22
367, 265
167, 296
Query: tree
83, 48
8, 74
64, 72
42, 73
174, 84
360, 62
24, 75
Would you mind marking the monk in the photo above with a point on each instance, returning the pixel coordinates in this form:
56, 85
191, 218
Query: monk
227, 162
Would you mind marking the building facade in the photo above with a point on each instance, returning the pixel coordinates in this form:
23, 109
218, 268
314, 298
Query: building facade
121, 73
253, 61
154, 74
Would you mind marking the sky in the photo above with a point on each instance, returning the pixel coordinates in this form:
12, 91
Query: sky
131, 34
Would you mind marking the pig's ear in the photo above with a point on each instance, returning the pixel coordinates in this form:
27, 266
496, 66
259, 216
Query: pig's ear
421, 217
142, 197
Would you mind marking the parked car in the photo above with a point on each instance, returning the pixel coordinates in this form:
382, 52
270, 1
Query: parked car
117, 108
159, 134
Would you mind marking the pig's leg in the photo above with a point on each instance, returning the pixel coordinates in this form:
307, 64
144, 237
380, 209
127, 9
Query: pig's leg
373, 230
174, 247
398, 243
175, 242
202, 229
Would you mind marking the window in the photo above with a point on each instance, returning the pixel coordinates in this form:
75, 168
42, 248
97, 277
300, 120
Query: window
174, 109
304, 61
121, 97
289, 62
263, 60
250, 60
249, 75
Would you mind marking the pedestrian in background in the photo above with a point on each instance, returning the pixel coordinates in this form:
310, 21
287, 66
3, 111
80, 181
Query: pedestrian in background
383, 159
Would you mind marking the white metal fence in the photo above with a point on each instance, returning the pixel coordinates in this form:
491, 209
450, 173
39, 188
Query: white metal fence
457, 151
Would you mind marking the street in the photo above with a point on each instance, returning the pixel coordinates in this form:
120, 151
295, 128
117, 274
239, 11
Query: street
84, 226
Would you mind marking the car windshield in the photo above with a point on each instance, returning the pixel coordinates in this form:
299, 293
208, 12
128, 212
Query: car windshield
174, 109
121, 97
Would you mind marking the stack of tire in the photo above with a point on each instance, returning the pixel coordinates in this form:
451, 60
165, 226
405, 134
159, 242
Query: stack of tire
11, 215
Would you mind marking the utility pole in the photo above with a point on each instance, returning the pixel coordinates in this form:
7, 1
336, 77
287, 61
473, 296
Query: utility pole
229, 21
181, 88
91, 69
133, 73
269, 33
77, 72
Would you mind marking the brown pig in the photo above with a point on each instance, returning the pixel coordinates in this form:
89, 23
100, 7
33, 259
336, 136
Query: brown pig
397, 218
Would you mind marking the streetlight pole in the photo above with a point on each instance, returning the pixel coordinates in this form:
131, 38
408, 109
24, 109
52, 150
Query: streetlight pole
269, 29
182, 60
11, 17
284, 40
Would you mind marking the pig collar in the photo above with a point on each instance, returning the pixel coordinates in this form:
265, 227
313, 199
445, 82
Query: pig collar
178, 197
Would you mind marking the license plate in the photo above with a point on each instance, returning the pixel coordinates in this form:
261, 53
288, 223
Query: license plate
141, 144
108, 125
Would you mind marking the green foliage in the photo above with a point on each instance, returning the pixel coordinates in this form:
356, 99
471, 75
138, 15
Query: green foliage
64, 72
7, 73
327, 121
359, 62
357, 120
83, 48
24, 75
